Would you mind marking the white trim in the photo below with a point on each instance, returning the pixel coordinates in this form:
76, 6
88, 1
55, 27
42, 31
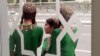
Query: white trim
86, 51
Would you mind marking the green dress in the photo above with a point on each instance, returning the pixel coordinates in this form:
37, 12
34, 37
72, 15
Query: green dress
32, 40
67, 45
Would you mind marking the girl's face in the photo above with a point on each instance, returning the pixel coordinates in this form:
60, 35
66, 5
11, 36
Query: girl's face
48, 28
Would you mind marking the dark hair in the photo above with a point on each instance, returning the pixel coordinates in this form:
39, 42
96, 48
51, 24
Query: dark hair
51, 22
27, 16
59, 24
29, 12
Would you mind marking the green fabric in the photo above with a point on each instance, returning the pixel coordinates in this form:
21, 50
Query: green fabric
32, 40
67, 45
44, 47
52, 48
52, 45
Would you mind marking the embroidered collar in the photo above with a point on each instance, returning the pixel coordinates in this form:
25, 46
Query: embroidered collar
27, 27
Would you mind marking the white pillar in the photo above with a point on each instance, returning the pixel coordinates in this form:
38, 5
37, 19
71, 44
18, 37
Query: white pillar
4, 28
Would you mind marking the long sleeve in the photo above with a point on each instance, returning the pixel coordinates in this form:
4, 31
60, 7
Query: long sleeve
41, 36
12, 44
44, 47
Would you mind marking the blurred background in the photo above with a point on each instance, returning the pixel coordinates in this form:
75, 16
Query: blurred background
47, 8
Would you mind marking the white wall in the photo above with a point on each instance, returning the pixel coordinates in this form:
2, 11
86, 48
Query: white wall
83, 0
